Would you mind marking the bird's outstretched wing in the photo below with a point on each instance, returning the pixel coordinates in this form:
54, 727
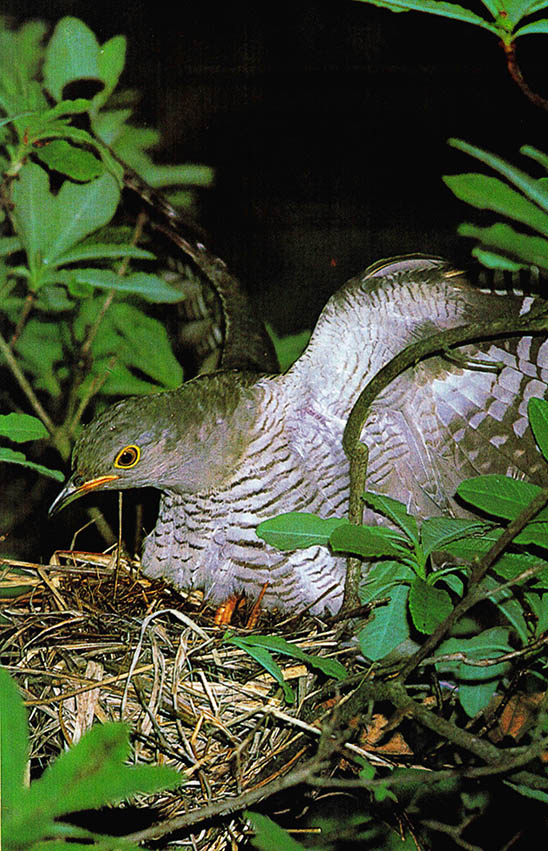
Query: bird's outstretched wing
444, 419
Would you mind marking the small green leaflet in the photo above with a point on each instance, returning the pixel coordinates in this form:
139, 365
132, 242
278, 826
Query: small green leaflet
537, 410
259, 647
22, 427
264, 658
429, 606
10, 456
14, 743
388, 627
74, 53
395, 511
269, 836
91, 774
499, 495
477, 684
438, 532
76, 163
150, 287
330, 667
369, 541
490, 193
298, 529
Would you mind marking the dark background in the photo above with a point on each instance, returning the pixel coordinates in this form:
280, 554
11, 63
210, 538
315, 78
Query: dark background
327, 125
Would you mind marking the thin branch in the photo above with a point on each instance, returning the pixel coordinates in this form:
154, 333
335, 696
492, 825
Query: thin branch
25, 386
528, 650
515, 72
22, 321
229, 805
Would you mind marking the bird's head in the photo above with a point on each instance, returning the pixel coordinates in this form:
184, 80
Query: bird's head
185, 441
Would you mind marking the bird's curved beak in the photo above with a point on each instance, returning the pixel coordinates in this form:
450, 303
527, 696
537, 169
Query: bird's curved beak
74, 488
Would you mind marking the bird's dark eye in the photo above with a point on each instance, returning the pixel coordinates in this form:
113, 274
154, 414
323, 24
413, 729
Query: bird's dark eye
127, 457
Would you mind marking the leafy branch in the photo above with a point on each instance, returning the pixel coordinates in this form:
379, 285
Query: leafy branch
75, 283
505, 22
92, 774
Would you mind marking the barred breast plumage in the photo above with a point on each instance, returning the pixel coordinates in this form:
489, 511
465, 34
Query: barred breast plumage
230, 449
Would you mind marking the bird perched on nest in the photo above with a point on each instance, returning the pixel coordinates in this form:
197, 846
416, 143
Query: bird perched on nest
232, 448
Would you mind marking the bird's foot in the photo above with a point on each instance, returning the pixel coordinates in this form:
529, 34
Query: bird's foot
225, 611
256, 610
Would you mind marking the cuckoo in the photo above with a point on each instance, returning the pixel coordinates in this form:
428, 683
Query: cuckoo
236, 446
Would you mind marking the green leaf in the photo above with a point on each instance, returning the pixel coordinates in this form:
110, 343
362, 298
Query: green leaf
66, 108
330, 667
538, 604
65, 158
428, 605
289, 347
263, 657
490, 193
496, 261
435, 7
477, 684
89, 775
81, 210
369, 541
72, 54
150, 287
22, 427
487, 645
13, 746
378, 581
508, 565
537, 411
269, 836
474, 698
508, 605
438, 532
187, 174
111, 61
9, 245
297, 530
103, 251
536, 155
40, 349
518, 9
395, 511
528, 185
48, 226
7, 592
139, 343
22, 50
535, 28
388, 626
533, 250
528, 791
499, 495
535, 533
10, 456
34, 213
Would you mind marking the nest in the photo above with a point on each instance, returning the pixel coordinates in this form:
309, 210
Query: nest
92, 640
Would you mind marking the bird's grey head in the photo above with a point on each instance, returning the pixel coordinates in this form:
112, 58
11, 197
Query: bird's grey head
184, 440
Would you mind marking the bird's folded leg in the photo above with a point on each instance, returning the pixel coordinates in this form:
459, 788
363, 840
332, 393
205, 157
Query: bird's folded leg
256, 610
223, 615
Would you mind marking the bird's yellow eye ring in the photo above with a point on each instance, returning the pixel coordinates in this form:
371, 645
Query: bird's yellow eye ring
127, 457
